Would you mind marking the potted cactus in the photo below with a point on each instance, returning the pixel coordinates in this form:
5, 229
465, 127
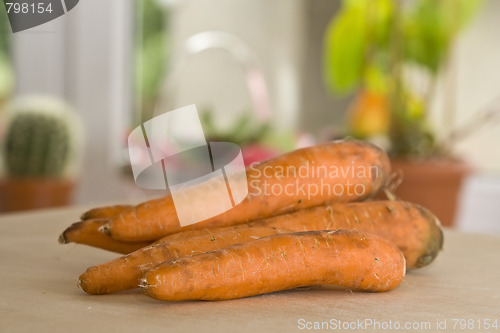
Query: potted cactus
39, 154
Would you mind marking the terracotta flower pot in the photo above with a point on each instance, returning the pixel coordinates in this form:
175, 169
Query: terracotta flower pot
434, 184
26, 194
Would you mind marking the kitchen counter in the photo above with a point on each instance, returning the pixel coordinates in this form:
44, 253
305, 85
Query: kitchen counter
39, 293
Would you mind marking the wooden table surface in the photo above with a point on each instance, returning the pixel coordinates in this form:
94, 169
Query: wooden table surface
38, 292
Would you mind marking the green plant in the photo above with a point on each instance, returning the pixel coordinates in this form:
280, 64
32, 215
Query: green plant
41, 139
246, 130
151, 55
371, 45
6, 72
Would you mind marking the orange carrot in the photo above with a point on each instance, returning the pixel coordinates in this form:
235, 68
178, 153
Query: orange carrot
86, 232
331, 172
106, 212
345, 258
412, 228
125, 272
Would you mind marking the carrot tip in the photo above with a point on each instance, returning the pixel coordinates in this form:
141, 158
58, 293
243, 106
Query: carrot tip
80, 284
62, 239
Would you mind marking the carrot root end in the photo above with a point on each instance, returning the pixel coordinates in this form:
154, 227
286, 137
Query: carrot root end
62, 239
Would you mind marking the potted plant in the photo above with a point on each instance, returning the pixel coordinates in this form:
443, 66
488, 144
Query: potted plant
391, 53
39, 152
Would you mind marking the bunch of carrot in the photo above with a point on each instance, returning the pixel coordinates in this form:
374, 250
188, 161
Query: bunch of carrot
268, 242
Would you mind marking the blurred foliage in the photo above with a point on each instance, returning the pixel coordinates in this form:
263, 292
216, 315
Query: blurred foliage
429, 29
5, 32
6, 73
151, 54
350, 37
247, 130
6, 77
366, 47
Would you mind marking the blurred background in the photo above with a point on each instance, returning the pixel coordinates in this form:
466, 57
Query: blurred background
420, 78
